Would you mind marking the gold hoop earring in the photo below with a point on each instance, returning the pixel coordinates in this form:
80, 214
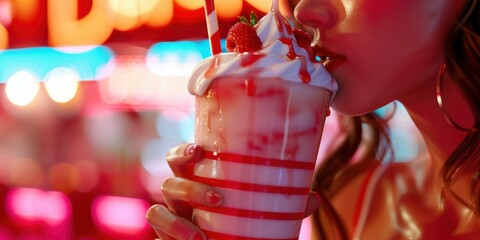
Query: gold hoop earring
439, 94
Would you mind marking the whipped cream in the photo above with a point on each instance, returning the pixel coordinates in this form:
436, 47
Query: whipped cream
279, 57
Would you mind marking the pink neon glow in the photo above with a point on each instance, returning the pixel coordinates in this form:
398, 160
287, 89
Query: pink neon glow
30, 204
120, 215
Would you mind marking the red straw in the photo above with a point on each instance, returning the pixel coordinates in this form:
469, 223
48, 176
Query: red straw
212, 26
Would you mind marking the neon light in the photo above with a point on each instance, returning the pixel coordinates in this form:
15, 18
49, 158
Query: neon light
263, 6
66, 29
25, 10
133, 8
86, 61
120, 215
188, 52
168, 58
190, 4
230, 9
162, 14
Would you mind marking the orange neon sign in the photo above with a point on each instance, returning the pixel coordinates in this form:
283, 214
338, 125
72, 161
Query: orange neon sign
65, 27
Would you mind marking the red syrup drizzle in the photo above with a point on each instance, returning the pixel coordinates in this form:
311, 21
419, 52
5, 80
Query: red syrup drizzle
291, 51
303, 72
281, 25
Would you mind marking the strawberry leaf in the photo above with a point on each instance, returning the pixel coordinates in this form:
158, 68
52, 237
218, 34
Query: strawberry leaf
253, 18
244, 20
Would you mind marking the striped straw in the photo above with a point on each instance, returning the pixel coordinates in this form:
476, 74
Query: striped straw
212, 26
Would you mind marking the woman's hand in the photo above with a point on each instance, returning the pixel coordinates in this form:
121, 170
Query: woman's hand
173, 221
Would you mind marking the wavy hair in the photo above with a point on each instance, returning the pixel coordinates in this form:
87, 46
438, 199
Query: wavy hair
463, 65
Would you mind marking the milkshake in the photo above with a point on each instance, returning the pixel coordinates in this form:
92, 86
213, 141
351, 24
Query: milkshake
259, 117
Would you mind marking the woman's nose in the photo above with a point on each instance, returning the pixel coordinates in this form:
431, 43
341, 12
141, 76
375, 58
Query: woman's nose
318, 14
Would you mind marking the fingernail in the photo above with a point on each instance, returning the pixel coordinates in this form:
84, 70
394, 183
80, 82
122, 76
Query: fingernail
152, 214
190, 149
213, 197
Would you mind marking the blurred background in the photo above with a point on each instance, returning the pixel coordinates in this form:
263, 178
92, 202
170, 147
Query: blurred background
92, 95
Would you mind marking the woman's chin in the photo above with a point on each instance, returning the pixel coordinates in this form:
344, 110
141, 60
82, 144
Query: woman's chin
350, 108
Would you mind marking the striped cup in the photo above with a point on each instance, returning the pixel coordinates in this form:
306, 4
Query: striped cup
261, 140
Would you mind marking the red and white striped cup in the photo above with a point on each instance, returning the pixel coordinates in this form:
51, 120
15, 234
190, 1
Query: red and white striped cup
261, 139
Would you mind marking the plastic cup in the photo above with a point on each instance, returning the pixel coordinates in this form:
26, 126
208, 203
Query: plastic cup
261, 139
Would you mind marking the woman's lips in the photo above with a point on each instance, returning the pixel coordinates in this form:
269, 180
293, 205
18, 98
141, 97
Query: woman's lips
329, 59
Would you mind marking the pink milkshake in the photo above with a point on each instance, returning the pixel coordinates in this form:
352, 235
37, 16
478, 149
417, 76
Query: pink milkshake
259, 117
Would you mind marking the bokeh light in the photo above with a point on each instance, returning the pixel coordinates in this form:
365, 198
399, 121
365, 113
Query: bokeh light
22, 88
34, 205
187, 127
153, 157
263, 6
168, 125
229, 9
3, 36
89, 175
120, 215
5, 13
23, 172
77, 165
64, 177
62, 84
175, 58
190, 4
39, 61
133, 8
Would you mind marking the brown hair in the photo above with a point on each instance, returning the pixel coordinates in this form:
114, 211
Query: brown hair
339, 167
463, 64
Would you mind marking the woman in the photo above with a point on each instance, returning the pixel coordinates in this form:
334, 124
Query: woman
423, 53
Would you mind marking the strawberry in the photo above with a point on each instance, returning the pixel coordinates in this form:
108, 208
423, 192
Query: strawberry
242, 36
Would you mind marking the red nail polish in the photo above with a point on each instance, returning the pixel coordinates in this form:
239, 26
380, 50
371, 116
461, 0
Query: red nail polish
190, 150
318, 197
213, 197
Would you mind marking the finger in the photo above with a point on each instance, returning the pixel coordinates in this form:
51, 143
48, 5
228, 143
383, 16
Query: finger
180, 194
183, 158
313, 202
169, 226
161, 235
